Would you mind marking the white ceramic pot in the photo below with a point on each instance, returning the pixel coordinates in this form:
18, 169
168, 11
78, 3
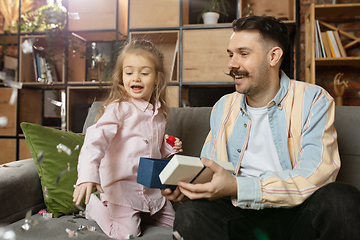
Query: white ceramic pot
210, 17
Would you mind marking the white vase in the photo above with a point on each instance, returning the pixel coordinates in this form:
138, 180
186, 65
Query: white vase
210, 17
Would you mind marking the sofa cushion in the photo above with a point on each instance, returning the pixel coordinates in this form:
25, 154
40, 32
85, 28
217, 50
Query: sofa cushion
56, 168
20, 190
347, 124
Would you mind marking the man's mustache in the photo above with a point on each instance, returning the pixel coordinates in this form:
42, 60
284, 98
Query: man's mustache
236, 72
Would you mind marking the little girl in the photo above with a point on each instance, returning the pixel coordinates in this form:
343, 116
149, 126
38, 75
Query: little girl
131, 125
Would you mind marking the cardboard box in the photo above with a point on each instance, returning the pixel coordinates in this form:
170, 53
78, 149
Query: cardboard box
189, 169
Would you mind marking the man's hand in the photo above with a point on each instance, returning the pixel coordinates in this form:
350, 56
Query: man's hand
223, 184
175, 196
85, 189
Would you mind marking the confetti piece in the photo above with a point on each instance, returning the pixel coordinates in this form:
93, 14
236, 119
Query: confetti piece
46, 192
89, 228
177, 235
13, 84
27, 46
74, 15
79, 207
47, 215
28, 222
7, 233
62, 173
40, 157
63, 148
13, 97
71, 233
3, 121
56, 103
171, 140
76, 146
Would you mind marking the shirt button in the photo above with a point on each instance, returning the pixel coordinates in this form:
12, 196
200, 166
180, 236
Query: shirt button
245, 125
238, 150
248, 205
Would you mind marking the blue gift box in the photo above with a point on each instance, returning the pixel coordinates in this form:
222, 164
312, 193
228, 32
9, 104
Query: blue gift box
148, 173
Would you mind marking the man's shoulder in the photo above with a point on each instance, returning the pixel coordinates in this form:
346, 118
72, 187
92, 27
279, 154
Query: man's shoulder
230, 98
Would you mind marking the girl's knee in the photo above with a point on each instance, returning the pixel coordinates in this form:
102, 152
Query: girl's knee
122, 231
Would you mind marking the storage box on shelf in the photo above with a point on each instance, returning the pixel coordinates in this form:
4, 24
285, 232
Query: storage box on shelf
7, 149
168, 43
204, 55
30, 106
107, 16
24, 152
154, 13
332, 11
284, 10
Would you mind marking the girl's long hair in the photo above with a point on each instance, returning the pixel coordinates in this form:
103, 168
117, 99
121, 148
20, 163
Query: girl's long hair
117, 91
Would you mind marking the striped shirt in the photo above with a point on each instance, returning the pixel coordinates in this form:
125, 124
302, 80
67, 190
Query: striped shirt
301, 118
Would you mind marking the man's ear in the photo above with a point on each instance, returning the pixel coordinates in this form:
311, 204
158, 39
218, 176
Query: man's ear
275, 56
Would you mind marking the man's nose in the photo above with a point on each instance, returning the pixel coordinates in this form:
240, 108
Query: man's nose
233, 63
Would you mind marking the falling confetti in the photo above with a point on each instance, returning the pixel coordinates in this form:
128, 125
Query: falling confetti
40, 157
56, 103
76, 145
63, 172
63, 148
74, 15
7, 233
3, 121
29, 223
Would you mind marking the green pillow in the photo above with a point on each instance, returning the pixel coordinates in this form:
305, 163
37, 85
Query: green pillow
57, 170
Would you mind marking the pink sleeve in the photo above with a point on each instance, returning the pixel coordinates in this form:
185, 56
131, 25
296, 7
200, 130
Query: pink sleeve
167, 150
97, 140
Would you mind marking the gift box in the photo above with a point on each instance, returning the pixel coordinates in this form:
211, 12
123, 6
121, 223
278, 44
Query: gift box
149, 170
189, 169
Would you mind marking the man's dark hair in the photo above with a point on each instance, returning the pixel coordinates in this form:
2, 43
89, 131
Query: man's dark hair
269, 27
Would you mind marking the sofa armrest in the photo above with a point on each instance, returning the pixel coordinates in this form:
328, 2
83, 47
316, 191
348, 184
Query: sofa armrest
20, 190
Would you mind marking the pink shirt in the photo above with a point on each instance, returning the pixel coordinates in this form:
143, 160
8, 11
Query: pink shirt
112, 149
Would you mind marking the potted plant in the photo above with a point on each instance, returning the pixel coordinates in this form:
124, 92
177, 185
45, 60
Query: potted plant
212, 11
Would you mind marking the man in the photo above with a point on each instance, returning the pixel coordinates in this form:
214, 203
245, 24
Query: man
279, 135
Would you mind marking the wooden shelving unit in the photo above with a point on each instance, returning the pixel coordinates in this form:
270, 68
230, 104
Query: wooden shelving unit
195, 58
327, 11
104, 22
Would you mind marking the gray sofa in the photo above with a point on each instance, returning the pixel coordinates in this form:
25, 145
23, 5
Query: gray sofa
20, 188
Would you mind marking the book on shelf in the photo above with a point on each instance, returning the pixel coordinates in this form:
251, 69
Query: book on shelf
333, 45
319, 40
326, 44
339, 44
189, 169
44, 71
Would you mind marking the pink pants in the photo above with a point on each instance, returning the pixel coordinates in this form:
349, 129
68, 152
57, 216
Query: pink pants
120, 222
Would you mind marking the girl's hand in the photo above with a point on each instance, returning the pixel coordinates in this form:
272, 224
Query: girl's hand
174, 142
85, 189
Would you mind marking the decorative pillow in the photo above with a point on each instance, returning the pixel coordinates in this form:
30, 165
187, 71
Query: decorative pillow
55, 153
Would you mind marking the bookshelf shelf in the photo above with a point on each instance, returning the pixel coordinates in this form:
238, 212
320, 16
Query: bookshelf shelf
331, 11
346, 61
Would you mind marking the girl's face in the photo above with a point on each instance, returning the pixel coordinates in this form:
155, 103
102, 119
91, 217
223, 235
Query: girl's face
139, 76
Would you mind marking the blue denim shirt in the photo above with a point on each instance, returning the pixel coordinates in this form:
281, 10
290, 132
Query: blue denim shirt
301, 117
